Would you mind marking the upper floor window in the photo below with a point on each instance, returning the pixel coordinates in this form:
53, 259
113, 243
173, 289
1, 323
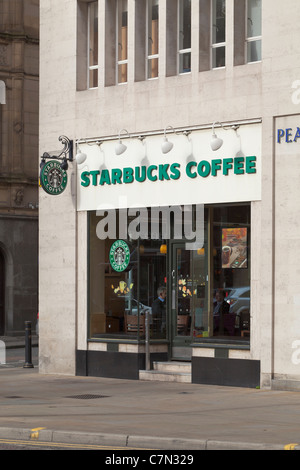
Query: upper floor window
184, 36
218, 9
152, 38
122, 41
92, 55
253, 30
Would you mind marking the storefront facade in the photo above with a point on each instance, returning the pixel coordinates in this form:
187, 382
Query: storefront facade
171, 212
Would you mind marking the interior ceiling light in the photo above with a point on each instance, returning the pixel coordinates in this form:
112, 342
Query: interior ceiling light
216, 142
166, 146
120, 147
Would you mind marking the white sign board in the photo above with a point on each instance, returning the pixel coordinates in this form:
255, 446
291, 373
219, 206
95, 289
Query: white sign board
191, 173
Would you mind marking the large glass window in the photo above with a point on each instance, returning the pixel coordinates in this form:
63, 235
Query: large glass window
184, 36
122, 41
152, 38
218, 33
207, 289
118, 300
253, 30
93, 45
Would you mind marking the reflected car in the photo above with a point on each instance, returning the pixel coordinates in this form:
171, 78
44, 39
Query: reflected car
239, 300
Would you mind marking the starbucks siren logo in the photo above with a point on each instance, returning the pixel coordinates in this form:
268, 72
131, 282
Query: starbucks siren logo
119, 256
53, 178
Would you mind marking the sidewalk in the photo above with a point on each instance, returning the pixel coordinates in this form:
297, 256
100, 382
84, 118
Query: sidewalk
140, 414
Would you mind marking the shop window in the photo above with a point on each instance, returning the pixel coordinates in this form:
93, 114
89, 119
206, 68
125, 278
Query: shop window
122, 41
118, 300
152, 38
228, 308
184, 36
218, 33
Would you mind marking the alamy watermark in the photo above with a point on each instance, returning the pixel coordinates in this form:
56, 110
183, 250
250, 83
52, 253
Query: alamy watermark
156, 223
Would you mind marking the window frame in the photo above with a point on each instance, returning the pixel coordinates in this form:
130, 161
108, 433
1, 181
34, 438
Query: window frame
150, 57
249, 39
91, 67
182, 52
123, 61
216, 45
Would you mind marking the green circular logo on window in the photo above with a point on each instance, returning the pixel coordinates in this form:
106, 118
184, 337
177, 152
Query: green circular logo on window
53, 178
119, 256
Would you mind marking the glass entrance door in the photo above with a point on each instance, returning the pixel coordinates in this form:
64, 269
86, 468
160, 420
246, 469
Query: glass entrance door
181, 302
189, 299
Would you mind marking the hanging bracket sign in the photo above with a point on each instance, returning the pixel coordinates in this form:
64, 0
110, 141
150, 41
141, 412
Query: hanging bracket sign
53, 178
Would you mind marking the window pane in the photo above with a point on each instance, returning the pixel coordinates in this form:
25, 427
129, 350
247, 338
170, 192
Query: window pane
185, 62
122, 73
118, 300
152, 27
254, 51
152, 68
231, 278
122, 29
93, 33
218, 57
93, 78
254, 18
184, 24
218, 26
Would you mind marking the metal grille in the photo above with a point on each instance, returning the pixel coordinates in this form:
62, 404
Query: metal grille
87, 396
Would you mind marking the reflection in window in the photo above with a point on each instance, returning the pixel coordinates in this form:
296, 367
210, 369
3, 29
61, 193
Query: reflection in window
93, 45
218, 33
184, 36
122, 41
152, 39
253, 28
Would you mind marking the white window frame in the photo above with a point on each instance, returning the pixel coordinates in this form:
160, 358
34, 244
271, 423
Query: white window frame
250, 39
217, 44
181, 52
149, 57
90, 67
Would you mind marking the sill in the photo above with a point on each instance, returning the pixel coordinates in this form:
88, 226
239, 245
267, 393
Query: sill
221, 343
124, 340
254, 62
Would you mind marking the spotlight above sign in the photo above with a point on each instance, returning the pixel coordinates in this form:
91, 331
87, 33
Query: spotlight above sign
216, 142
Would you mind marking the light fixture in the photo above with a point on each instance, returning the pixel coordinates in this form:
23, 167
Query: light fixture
120, 147
163, 249
216, 143
80, 157
166, 146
